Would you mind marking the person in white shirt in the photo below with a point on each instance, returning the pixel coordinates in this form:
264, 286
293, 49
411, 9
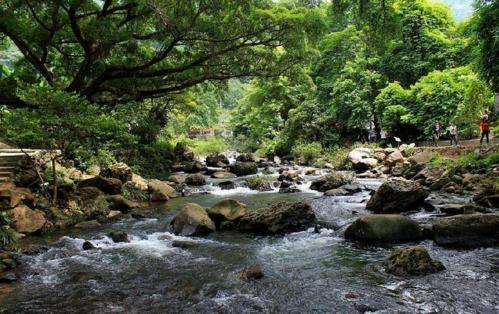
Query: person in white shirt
453, 133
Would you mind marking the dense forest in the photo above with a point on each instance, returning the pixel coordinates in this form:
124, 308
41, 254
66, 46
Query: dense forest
125, 80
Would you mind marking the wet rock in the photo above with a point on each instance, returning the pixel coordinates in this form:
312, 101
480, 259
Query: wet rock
413, 260
289, 175
397, 170
84, 276
394, 158
177, 167
460, 209
138, 216
8, 277
161, 191
192, 220
114, 214
179, 179
195, 179
12, 196
227, 185
87, 245
241, 168
118, 202
397, 195
279, 218
194, 167
245, 158
109, 186
91, 224
345, 190
361, 159
118, 236
183, 244
88, 193
27, 220
285, 184
291, 189
35, 249
330, 181
216, 160
467, 231
226, 210
188, 156
223, 175
119, 171
383, 228
251, 273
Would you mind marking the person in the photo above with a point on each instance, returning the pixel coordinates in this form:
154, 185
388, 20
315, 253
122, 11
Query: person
382, 137
485, 129
437, 131
453, 133
372, 136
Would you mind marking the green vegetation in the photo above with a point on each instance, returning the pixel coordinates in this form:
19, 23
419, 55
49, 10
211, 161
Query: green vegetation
259, 181
204, 147
7, 235
470, 162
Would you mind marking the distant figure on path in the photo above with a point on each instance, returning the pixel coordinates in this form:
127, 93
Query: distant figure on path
485, 129
382, 137
372, 136
437, 132
453, 133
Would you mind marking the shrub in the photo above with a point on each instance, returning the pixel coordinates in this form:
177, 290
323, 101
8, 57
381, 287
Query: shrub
203, 147
132, 193
307, 153
257, 182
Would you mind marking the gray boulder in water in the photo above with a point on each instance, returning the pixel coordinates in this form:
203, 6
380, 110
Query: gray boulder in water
192, 220
384, 228
397, 195
413, 260
242, 168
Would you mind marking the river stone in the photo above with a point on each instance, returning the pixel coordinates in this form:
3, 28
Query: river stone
194, 167
118, 236
227, 185
383, 228
228, 209
280, 218
109, 186
27, 220
161, 191
195, 179
183, 244
394, 158
12, 196
192, 220
216, 160
87, 245
91, 224
179, 179
397, 195
245, 158
119, 171
361, 159
118, 202
467, 231
413, 260
241, 168
329, 182
251, 273
223, 175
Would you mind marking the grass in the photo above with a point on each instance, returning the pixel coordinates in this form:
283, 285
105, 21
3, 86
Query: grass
470, 162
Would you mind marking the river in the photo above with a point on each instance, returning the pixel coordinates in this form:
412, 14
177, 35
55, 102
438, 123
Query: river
305, 272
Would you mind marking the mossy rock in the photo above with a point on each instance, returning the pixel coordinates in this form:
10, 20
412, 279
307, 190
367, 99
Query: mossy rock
384, 228
413, 260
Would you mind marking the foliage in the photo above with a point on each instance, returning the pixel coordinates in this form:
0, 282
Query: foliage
7, 236
307, 153
132, 193
204, 147
258, 181
469, 162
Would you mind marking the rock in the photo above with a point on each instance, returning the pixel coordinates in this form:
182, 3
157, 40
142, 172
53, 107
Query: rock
244, 168
227, 185
8, 277
27, 220
109, 186
330, 181
245, 158
91, 224
192, 220
35, 249
413, 260
118, 171
361, 159
114, 214
194, 167
394, 158
290, 189
118, 202
251, 273
195, 179
188, 156
289, 175
216, 160
179, 179
279, 218
226, 210
89, 193
223, 175
397, 170
160, 191
467, 231
337, 192
84, 276
87, 245
397, 195
383, 228
118, 236
138, 182
460, 209
183, 244
421, 158
12, 196
177, 167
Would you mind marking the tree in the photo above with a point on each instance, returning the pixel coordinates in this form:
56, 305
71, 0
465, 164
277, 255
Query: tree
487, 28
116, 51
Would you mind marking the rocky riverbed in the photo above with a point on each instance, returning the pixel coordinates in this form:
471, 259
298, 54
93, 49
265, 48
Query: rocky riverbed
261, 252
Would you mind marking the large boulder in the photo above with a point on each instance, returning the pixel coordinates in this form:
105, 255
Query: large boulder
245, 158
27, 220
195, 179
383, 228
178, 179
194, 167
12, 196
467, 231
279, 218
361, 159
192, 220
118, 171
118, 202
223, 175
109, 186
216, 160
413, 260
227, 210
394, 158
241, 168
161, 191
138, 182
330, 181
397, 195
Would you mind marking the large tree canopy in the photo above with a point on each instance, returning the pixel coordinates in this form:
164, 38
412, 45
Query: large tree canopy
115, 51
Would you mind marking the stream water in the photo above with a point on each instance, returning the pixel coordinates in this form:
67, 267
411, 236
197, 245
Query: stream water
304, 272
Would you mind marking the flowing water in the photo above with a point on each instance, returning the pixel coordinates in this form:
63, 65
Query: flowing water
304, 272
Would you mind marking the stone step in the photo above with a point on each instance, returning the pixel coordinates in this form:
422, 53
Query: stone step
8, 163
7, 168
6, 174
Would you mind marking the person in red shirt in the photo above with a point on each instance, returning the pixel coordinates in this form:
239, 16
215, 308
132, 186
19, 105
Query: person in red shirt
485, 129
